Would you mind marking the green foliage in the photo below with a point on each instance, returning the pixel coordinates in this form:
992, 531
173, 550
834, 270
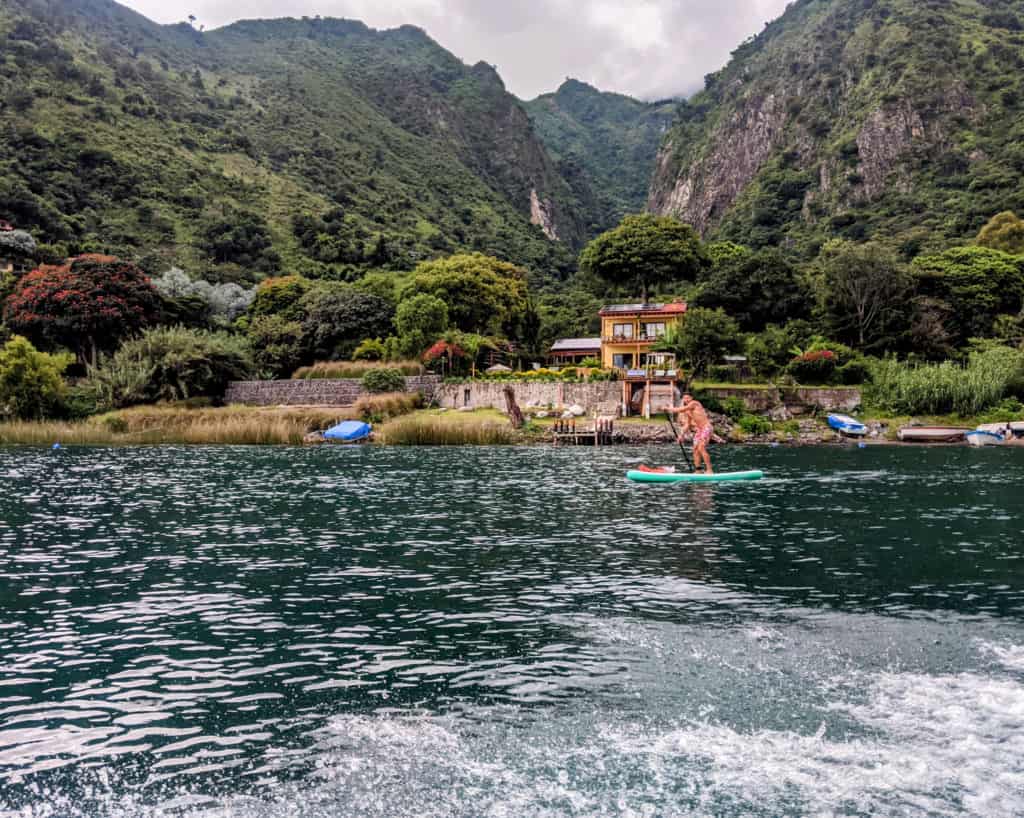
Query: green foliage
338, 317
701, 339
370, 349
1005, 232
483, 295
278, 345
974, 285
934, 389
383, 380
171, 363
722, 253
1008, 410
755, 425
645, 252
420, 320
770, 351
281, 297
734, 408
31, 386
756, 289
864, 293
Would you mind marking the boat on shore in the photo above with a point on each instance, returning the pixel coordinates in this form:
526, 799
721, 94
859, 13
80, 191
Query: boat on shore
931, 434
985, 437
846, 425
349, 431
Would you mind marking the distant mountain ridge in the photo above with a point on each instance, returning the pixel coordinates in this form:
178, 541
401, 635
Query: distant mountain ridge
605, 144
855, 118
125, 136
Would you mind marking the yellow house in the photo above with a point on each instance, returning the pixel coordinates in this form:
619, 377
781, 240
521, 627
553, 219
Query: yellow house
628, 331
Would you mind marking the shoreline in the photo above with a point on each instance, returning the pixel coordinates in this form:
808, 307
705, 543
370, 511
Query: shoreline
177, 425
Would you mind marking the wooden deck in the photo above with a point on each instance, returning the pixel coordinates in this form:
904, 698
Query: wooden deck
573, 433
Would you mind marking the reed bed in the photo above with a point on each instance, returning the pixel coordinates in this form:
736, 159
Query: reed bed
176, 425
386, 406
427, 430
326, 370
937, 389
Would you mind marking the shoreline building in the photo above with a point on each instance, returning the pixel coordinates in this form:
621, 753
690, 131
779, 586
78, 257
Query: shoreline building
650, 380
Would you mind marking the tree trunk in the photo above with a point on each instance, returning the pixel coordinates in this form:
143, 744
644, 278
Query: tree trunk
515, 416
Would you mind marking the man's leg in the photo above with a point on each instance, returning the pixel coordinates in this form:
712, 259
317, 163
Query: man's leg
707, 458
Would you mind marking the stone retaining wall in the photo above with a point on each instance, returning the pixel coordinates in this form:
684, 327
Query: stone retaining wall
606, 398
601, 397
318, 392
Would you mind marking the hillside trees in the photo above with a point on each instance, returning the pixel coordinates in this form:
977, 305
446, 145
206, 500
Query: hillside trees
88, 303
644, 252
1004, 231
864, 293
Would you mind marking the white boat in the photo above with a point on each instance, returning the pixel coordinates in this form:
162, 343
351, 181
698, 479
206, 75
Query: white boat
983, 437
931, 434
846, 425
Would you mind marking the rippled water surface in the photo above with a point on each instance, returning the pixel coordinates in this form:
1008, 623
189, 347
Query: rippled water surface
509, 632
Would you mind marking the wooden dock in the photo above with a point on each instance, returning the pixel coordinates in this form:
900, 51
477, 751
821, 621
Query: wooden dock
568, 433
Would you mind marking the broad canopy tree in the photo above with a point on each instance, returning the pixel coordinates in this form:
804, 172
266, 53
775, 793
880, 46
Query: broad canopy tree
89, 303
644, 252
1005, 232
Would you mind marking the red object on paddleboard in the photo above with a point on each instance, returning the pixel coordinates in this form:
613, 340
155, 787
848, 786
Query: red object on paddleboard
657, 469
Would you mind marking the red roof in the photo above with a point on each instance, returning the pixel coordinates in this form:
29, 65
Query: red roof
675, 308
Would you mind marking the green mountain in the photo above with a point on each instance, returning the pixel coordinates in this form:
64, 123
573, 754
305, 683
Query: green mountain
900, 119
316, 145
605, 146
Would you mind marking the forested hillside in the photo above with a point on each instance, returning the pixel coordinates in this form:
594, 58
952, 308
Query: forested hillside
603, 143
883, 119
314, 146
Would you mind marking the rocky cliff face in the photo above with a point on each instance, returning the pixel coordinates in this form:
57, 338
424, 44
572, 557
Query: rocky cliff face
876, 117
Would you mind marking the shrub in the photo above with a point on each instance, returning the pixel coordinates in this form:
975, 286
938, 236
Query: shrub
1010, 409
30, 381
339, 370
734, 408
371, 349
378, 408
171, 363
277, 344
383, 380
755, 425
814, 367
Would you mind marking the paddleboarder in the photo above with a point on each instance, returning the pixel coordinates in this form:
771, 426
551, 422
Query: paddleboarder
694, 418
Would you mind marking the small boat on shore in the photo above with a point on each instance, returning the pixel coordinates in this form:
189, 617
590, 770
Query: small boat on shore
931, 434
846, 425
349, 431
984, 437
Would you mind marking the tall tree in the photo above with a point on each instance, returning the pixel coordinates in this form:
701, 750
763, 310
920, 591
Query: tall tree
483, 294
864, 292
338, 317
701, 339
88, 303
645, 251
757, 290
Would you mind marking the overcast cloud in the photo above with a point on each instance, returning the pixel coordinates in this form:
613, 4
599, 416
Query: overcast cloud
646, 48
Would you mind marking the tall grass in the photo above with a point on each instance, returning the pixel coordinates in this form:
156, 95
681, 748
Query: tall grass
937, 389
418, 430
352, 369
377, 408
177, 425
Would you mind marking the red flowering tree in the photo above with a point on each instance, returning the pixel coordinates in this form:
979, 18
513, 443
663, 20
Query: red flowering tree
89, 303
443, 353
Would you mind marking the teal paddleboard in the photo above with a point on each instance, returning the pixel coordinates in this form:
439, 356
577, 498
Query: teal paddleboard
686, 477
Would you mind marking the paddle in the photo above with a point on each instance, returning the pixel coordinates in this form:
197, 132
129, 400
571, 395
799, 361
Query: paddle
675, 434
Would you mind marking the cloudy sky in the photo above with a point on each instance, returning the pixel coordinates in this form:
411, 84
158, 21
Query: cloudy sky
645, 48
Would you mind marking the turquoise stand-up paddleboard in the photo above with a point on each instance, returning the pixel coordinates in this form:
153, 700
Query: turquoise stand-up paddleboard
664, 476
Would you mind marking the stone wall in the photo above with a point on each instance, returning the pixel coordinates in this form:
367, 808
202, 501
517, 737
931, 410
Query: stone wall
605, 398
318, 392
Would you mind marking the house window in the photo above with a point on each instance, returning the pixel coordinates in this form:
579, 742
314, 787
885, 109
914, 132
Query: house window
654, 330
624, 361
622, 330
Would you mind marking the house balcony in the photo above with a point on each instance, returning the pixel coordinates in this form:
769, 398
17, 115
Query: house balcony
627, 339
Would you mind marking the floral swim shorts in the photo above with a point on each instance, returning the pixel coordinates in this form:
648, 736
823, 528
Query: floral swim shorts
702, 436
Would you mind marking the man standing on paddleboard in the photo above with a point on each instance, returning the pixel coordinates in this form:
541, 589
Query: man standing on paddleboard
694, 418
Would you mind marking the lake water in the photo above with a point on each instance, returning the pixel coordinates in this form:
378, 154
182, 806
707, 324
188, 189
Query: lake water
509, 632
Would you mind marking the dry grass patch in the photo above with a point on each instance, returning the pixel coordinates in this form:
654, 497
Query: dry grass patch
336, 370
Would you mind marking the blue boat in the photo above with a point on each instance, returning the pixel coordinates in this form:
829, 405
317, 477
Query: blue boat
349, 431
846, 425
